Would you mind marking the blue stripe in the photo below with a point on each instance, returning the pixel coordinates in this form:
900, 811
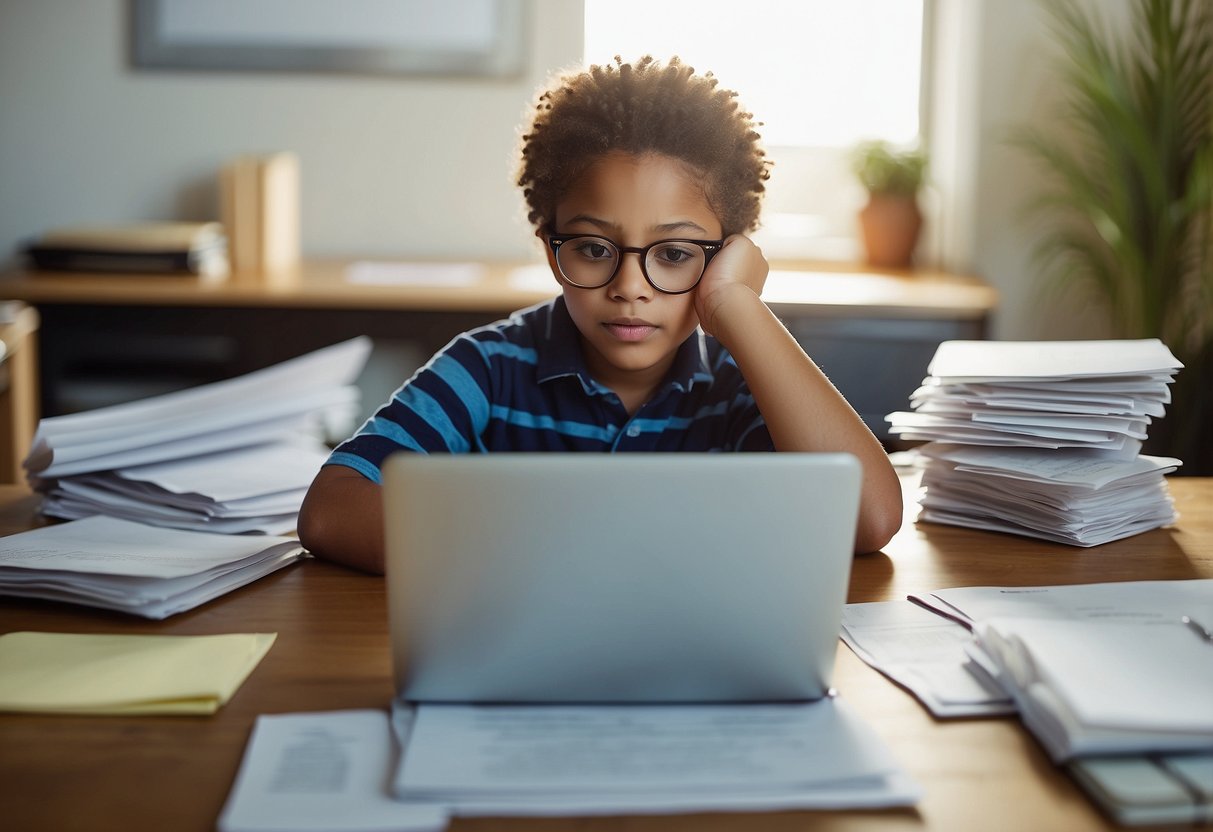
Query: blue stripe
456, 376
543, 422
427, 409
377, 426
659, 425
357, 463
527, 355
680, 422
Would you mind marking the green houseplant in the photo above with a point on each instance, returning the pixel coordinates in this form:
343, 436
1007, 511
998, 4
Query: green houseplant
1130, 167
891, 220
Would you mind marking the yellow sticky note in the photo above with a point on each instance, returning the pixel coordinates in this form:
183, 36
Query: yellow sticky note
125, 674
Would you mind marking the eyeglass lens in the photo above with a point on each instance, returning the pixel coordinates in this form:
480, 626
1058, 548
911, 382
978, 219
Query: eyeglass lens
671, 266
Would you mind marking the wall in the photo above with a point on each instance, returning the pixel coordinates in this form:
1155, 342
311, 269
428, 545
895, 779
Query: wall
1016, 85
391, 165
421, 168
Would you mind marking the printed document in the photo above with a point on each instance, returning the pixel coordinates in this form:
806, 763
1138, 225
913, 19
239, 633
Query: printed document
559, 760
924, 653
316, 772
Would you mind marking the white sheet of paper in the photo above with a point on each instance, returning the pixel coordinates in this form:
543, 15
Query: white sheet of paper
239, 474
884, 791
1085, 469
146, 597
944, 424
67, 507
322, 771
113, 502
922, 652
469, 751
320, 370
185, 446
1051, 359
1143, 602
234, 426
1060, 502
1041, 396
107, 546
226, 414
145, 493
1132, 425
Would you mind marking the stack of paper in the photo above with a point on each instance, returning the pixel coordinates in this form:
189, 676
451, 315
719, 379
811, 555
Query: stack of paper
1108, 676
1095, 668
1102, 687
1042, 438
234, 456
256, 489
135, 568
1076, 497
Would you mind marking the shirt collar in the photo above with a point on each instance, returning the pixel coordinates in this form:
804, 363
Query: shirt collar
560, 355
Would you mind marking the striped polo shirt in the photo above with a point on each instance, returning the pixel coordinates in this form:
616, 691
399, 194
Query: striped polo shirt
521, 384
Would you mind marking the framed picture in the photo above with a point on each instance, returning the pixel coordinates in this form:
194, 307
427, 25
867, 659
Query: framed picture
406, 37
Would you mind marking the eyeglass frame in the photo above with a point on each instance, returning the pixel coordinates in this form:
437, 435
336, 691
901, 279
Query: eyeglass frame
710, 249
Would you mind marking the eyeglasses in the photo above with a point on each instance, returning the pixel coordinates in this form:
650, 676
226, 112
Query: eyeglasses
670, 266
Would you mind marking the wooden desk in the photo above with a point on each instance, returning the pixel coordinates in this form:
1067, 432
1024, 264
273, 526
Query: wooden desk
872, 332
162, 773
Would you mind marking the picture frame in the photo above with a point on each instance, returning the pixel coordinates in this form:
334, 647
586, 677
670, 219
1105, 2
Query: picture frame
384, 37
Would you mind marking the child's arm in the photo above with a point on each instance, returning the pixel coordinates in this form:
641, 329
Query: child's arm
342, 519
802, 409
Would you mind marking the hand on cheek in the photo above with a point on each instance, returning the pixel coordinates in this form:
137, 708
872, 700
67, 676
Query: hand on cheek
736, 274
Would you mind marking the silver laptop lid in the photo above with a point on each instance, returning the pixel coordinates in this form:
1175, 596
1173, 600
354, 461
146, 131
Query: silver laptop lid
617, 578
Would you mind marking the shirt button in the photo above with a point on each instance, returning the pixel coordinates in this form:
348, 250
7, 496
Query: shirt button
634, 431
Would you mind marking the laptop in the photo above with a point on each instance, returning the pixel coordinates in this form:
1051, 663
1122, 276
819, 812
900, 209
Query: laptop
595, 578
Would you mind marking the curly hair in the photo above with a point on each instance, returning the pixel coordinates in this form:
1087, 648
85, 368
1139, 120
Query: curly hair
637, 108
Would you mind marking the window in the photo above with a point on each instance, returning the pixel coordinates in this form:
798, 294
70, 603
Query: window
820, 74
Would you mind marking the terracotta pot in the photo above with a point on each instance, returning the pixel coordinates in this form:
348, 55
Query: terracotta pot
890, 225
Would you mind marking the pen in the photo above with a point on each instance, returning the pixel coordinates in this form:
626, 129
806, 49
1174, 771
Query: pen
1196, 627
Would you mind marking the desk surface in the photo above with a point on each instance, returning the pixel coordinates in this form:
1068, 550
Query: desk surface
835, 290
160, 773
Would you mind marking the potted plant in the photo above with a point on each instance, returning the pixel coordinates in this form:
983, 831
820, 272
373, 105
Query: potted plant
1129, 204
892, 220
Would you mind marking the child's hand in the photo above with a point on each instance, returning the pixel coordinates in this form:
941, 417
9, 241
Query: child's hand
735, 275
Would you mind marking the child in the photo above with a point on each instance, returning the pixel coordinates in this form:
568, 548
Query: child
641, 179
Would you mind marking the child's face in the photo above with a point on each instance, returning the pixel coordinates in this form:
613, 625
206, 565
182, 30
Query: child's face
629, 330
